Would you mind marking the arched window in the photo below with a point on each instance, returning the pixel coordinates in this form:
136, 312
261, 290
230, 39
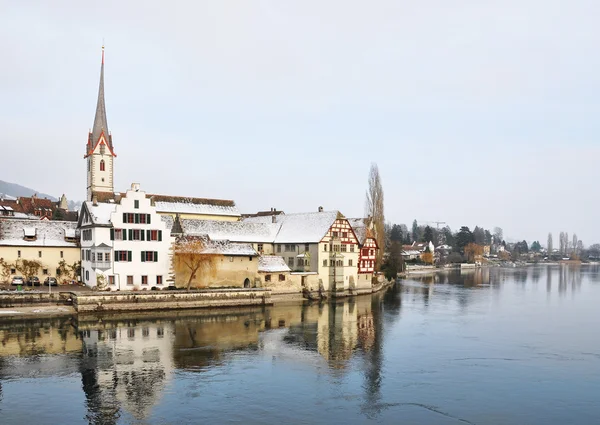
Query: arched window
102, 165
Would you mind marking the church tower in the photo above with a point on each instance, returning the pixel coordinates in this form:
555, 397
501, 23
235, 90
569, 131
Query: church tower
99, 152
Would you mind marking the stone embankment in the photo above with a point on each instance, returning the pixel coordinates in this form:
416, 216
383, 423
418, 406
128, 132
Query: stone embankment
168, 300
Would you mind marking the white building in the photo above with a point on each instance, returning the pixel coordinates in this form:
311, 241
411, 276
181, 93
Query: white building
124, 245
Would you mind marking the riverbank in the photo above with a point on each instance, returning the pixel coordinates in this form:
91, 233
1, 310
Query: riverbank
37, 304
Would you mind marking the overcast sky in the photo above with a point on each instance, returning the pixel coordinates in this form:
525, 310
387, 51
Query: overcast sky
477, 112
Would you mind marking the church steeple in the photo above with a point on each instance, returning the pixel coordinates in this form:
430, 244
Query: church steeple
99, 150
100, 121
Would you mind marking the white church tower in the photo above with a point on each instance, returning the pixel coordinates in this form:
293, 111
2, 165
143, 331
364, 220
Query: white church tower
99, 151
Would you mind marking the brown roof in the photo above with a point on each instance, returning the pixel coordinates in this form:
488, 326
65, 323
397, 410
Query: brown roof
264, 213
108, 196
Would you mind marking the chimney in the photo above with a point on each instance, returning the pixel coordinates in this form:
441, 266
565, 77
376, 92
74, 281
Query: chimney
95, 200
320, 209
273, 218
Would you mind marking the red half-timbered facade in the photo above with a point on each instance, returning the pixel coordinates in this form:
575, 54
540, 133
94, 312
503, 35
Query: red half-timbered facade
367, 257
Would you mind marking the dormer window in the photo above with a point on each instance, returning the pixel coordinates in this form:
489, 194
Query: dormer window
102, 166
102, 149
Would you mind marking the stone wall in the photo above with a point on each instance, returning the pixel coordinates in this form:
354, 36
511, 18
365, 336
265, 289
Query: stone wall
164, 300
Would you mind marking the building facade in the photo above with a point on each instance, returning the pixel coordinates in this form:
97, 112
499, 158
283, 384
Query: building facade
45, 243
125, 245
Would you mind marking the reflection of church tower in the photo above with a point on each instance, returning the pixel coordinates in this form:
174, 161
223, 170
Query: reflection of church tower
99, 151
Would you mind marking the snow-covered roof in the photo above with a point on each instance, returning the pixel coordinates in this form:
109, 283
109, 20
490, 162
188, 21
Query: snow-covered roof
100, 213
235, 231
272, 264
184, 207
360, 229
305, 227
188, 244
229, 248
46, 233
301, 227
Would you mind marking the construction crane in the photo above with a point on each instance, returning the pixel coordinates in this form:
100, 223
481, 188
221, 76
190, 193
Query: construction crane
437, 223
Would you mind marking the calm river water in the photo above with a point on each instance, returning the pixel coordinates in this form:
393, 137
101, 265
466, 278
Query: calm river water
499, 346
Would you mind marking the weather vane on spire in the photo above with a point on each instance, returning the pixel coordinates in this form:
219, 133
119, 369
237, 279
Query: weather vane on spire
103, 51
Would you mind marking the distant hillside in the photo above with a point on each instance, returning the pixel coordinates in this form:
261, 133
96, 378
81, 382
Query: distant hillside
16, 190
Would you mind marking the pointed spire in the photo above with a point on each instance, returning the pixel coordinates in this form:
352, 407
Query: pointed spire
100, 122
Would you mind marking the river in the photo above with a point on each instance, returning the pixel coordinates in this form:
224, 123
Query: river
488, 346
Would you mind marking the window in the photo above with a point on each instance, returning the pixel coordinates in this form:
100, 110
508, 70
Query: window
325, 247
87, 275
40, 254
130, 280
335, 234
160, 332
154, 235
117, 235
267, 278
339, 263
365, 252
136, 204
300, 262
87, 254
82, 255
144, 280
336, 248
287, 248
344, 248
145, 332
12, 271
130, 333
142, 219
350, 263
102, 166
89, 164
128, 218
159, 280
281, 277
352, 248
57, 272
111, 280
106, 257
93, 256
149, 256
138, 235
324, 263
306, 247
45, 271
259, 247
372, 252
231, 259
123, 256
19, 254
249, 258
344, 234
278, 249
61, 254
291, 261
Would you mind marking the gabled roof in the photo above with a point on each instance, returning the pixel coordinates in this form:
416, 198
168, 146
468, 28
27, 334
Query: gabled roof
272, 264
99, 214
45, 233
305, 227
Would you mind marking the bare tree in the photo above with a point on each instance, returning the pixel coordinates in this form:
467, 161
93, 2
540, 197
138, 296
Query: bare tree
575, 243
5, 270
29, 268
193, 256
566, 243
498, 235
374, 209
549, 247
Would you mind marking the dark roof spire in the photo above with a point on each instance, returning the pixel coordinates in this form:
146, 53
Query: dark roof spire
100, 122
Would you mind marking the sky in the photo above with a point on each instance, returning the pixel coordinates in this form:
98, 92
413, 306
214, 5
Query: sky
476, 113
